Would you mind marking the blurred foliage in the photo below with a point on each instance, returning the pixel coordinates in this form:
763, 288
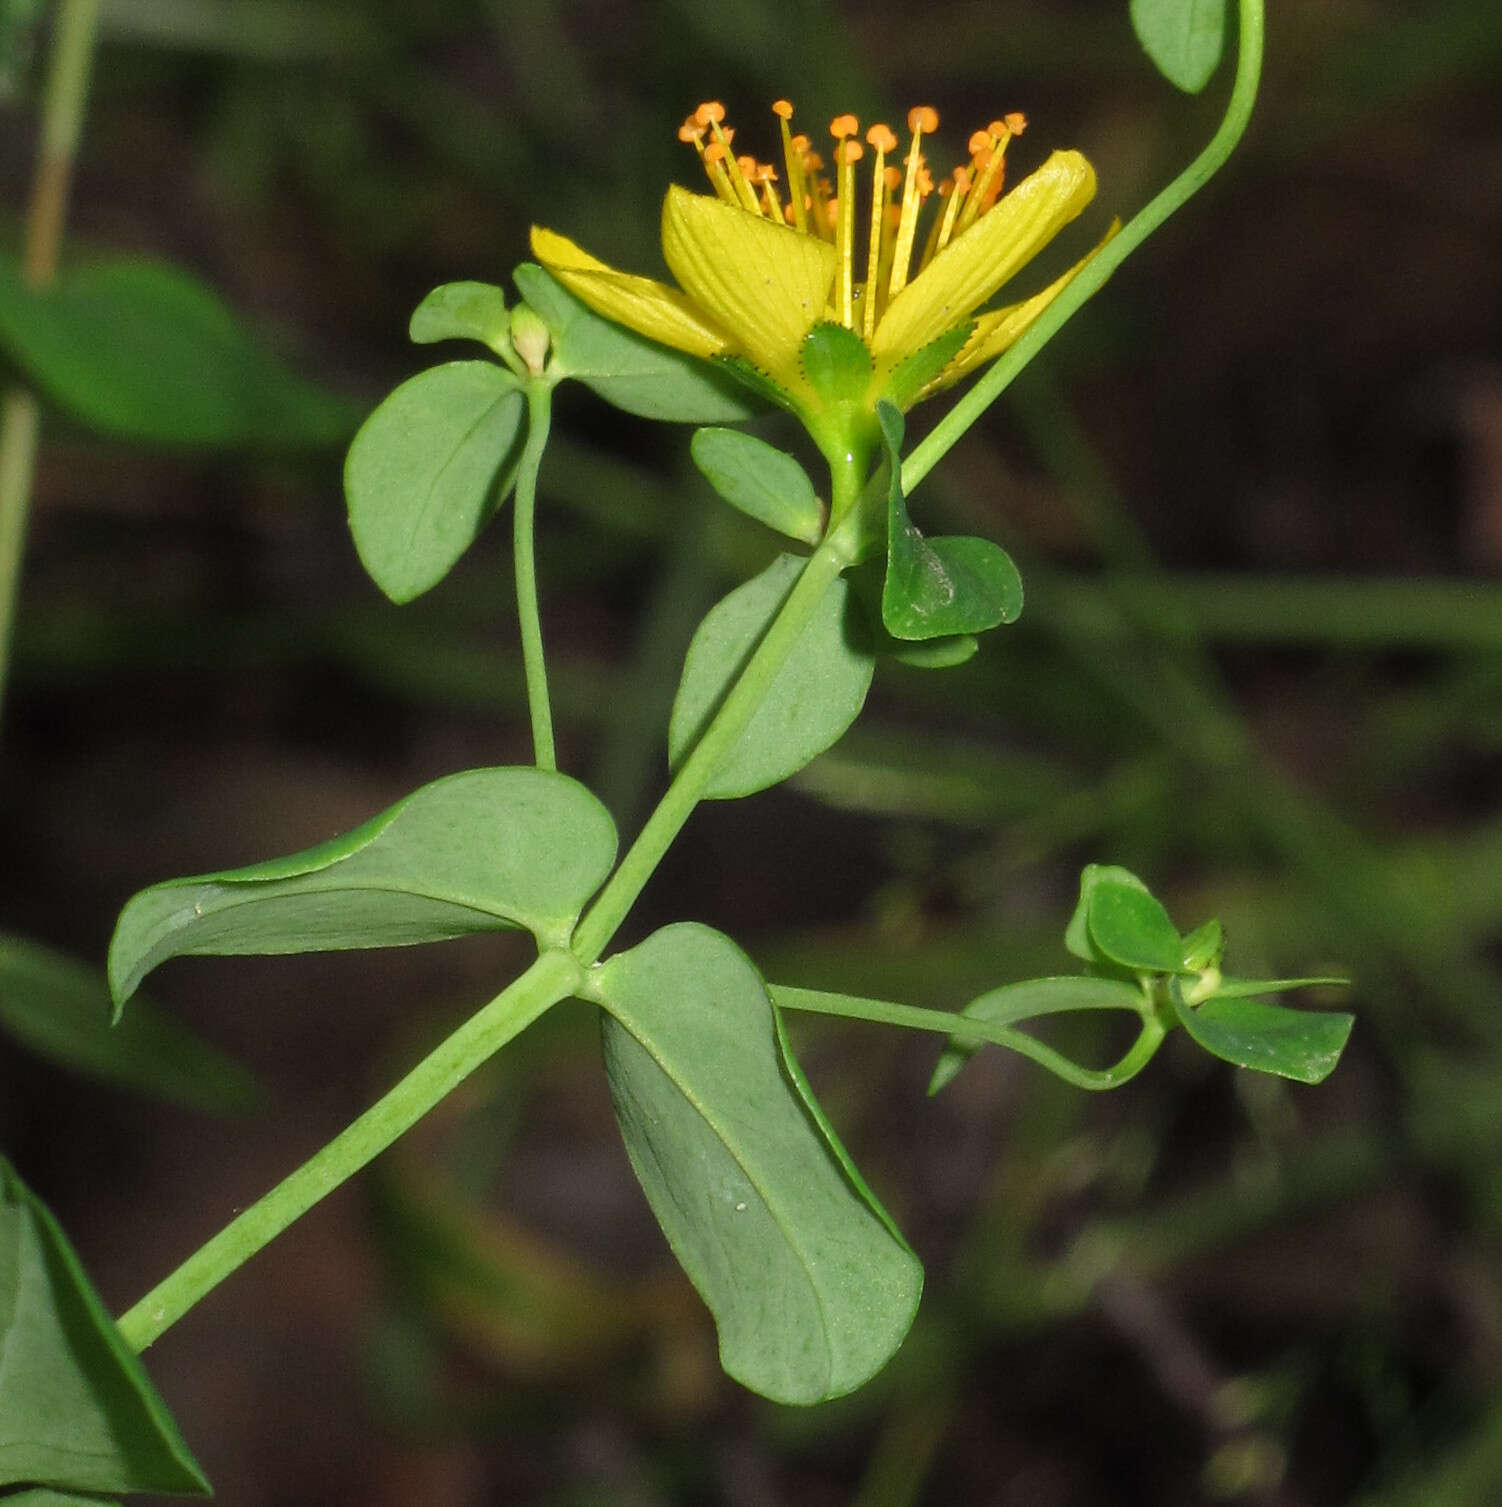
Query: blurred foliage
1256, 497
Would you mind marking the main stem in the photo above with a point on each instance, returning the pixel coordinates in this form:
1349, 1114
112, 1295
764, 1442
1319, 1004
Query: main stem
20, 418
1093, 275
683, 794
539, 419
554, 976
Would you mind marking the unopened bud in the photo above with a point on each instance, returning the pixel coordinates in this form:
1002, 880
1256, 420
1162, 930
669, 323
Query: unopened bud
530, 338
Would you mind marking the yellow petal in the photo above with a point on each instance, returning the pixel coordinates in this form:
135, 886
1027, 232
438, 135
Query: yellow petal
765, 284
974, 265
650, 308
994, 332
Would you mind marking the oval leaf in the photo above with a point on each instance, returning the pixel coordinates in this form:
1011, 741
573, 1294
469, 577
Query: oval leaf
1184, 38
461, 311
817, 694
1131, 928
935, 588
763, 482
811, 1288
625, 369
77, 1410
1025, 1001
1077, 933
1297, 1044
428, 469
473, 852
141, 350
60, 1009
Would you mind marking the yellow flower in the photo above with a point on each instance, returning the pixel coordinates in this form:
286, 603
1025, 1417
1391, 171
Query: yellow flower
822, 306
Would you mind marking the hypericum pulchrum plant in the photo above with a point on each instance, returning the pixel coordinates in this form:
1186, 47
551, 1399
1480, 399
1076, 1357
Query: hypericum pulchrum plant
842, 292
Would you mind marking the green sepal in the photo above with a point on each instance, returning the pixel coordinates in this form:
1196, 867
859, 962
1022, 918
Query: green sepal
936, 588
911, 375
1298, 1044
479, 851
836, 363
626, 369
77, 1411
462, 311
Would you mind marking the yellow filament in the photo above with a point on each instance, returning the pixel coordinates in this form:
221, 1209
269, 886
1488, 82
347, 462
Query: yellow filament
847, 153
918, 120
797, 189
883, 141
983, 195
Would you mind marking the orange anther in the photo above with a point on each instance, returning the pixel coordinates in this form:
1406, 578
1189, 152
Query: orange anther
892, 177
850, 151
962, 178
980, 141
813, 161
714, 151
999, 128
690, 130
832, 212
982, 158
783, 107
923, 118
800, 143
747, 165
1016, 122
881, 138
842, 126
710, 110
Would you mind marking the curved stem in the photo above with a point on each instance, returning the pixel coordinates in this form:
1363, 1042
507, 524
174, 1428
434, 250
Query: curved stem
20, 416
972, 1028
1110, 256
554, 976
539, 419
636, 868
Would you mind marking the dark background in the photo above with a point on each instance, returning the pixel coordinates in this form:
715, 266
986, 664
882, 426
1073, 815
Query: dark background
1256, 491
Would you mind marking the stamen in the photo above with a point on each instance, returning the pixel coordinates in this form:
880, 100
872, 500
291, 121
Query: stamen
847, 154
992, 164
938, 238
792, 156
714, 164
881, 138
922, 118
745, 195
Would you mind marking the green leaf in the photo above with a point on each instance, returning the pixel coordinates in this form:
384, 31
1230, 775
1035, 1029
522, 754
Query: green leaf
1185, 38
1231, 987
477, 851
811, 1288
1204, 946
625, 369
936, 653
43, 1496
817, 694
60, 1009
1026, 1000
938, 587
763, 482
1295, 1044
77, 1410
428, 469
1077, 933
1131, 928
140, 350
461, 311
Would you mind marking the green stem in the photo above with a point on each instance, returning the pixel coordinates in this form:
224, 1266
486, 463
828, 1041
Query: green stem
636, 868
969, 1028
20, 420
1110, 256
554, 976
539, 419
